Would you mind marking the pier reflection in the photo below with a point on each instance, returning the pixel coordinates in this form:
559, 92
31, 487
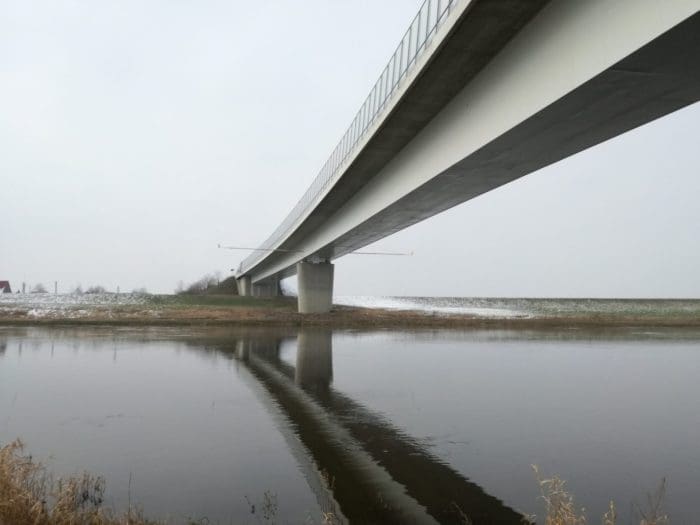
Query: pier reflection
314, 364
361, 467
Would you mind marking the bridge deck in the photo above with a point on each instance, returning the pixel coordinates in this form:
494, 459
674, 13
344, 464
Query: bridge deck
513, 87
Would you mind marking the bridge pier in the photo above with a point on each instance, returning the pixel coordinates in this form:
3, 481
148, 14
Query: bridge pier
315, 283
267, 288
245, 286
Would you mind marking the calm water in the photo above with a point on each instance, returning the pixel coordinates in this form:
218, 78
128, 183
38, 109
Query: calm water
374, 427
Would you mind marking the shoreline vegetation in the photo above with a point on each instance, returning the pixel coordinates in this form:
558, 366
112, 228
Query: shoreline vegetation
31, 495
233, 310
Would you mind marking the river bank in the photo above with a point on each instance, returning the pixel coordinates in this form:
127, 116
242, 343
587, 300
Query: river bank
227, 310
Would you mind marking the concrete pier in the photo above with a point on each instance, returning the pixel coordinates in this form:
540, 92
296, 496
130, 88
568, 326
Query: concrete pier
267, 288
315, 283
245, 286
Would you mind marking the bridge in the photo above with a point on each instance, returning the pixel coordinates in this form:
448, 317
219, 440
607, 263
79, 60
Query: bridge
477, 94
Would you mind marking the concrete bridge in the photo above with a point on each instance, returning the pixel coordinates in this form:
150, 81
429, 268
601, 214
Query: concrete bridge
478, 94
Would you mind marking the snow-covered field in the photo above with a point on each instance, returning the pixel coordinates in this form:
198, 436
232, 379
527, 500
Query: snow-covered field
65, 305
509, 308
440, 305
73, 306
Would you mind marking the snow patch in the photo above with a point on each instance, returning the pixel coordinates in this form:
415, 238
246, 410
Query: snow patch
64, 305
440, 305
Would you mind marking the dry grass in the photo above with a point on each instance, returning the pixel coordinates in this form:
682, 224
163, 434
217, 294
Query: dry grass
30, 496
560, 508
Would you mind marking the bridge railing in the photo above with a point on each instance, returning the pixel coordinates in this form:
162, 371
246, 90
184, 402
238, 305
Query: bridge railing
431, 15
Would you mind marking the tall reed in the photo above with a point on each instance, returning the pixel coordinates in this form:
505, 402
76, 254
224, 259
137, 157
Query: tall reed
30, 496
560, 508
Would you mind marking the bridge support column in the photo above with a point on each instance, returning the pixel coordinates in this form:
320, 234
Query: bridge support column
267, 288
245, 286
315, 283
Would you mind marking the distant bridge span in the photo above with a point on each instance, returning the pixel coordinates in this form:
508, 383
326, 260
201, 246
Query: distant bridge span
478, 94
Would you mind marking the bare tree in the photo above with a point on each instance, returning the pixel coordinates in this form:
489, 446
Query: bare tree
200, 286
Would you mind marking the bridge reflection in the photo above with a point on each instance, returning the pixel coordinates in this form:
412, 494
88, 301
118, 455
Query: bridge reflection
361, 467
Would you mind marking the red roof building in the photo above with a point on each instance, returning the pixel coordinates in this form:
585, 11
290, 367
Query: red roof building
5, 287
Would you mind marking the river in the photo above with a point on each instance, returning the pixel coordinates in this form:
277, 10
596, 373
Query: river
261, 426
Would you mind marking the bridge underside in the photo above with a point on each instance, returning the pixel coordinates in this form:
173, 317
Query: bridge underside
651, 83
554, 90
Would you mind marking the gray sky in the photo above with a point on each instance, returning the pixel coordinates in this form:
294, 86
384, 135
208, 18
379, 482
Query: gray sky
135, 136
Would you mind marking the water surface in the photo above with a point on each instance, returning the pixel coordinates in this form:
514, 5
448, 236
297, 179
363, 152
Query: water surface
402, 427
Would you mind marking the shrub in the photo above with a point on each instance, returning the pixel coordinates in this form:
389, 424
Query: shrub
200, 286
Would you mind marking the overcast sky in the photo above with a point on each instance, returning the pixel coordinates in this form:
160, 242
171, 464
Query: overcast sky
135, 136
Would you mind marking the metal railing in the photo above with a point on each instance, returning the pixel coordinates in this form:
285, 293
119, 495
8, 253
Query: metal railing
431, 15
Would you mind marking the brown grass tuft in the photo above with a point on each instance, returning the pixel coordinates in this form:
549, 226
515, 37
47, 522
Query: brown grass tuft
29, 496
558, 502
561, 510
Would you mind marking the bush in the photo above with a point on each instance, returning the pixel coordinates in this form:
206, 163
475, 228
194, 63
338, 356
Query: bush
96, 289
206, 284
228, 286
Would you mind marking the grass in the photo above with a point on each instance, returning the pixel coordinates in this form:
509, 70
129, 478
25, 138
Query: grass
30, 496
561, 509
223, 300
